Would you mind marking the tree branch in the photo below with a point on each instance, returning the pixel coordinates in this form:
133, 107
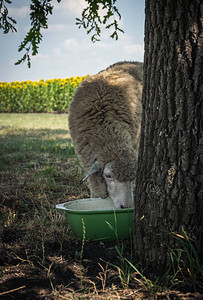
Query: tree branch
91, 19
6, 22
39, 11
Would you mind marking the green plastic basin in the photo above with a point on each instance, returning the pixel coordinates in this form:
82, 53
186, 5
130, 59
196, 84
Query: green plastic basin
97, 219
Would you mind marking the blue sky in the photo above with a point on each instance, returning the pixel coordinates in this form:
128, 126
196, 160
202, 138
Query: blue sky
66, 50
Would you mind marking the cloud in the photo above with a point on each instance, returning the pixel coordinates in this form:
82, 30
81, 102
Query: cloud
125, 46
20, 12
76, 46
130, 47
38, 57
57, 52
56, 27
67, 46
74, 7
134, 49
71, 45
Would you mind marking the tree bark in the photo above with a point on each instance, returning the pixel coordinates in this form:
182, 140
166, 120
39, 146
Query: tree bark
168, 193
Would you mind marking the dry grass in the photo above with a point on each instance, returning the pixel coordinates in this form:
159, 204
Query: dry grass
38, 169
38, 253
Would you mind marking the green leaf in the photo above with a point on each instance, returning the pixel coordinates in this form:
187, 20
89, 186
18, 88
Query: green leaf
91, 18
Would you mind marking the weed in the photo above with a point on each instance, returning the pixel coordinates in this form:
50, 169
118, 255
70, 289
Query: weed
10, 218
36, 172
94, 287
81, 252
185, 260
38, 169
103, 276
13, 290
142, 280
124, 270
114, 228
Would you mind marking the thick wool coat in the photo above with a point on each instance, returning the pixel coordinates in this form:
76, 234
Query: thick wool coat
105, 121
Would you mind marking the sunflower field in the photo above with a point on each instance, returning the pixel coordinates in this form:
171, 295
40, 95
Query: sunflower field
52, 95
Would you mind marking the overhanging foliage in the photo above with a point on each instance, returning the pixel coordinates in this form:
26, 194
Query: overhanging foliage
90, 20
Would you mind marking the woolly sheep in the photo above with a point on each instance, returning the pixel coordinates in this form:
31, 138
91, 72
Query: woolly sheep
104, 123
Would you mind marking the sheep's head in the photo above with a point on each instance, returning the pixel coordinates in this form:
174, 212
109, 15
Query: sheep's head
119, 191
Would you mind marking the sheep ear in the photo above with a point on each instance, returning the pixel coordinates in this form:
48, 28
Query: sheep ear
96, 167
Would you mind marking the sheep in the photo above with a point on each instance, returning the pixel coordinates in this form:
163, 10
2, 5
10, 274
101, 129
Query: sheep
104, 122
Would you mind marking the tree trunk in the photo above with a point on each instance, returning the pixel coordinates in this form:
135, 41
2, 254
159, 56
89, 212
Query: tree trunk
168, 194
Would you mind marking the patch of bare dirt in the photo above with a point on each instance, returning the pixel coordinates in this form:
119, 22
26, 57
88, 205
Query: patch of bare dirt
69, 274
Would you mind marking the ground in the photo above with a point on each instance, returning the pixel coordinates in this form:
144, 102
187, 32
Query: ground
65, 276
40, 258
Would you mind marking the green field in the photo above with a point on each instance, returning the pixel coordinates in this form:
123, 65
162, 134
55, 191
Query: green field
36, 152
39, 169
39, 256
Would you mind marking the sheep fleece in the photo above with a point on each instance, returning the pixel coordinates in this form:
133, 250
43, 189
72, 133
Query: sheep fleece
104, 122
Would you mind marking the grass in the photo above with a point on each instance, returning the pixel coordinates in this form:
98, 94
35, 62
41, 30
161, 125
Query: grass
39, 169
